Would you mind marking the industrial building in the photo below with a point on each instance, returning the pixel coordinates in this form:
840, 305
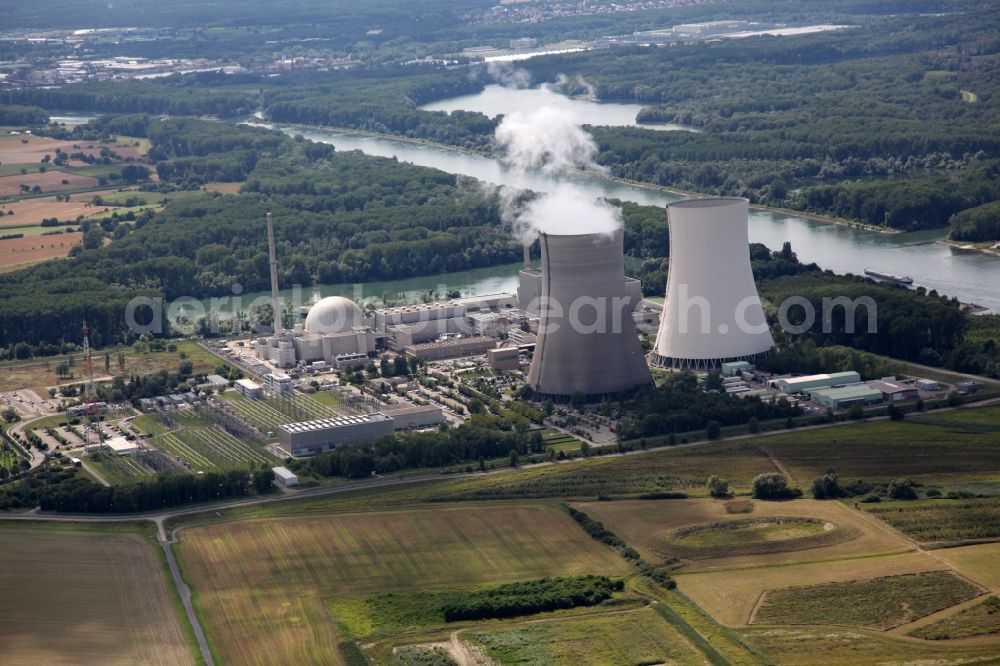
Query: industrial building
504, 359
121, 446
334, 326
214, 382
488, 315
278, 383
406, 416
810, 383
587, 342
249, 389
736, 368
285, 477
311, 437
456, 347
845, 396
712, 313
893, 392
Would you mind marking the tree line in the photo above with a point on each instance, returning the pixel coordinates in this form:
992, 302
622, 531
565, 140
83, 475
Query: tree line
61, 489
679, 405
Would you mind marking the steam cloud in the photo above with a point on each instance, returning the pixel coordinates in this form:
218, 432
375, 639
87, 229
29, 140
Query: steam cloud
552, 140
509, 76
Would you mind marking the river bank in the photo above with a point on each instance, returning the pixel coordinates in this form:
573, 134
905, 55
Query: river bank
991, 248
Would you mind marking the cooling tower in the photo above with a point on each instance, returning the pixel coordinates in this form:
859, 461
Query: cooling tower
587, 342
712, 313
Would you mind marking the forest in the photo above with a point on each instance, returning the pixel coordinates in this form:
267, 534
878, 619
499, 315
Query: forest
981, 223
22, 115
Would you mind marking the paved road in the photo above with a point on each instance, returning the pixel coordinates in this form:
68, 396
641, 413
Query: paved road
185, 594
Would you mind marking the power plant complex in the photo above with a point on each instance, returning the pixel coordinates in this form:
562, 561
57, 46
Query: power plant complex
577, 313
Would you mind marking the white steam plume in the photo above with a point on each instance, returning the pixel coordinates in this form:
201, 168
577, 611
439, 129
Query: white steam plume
509, 76
552, 140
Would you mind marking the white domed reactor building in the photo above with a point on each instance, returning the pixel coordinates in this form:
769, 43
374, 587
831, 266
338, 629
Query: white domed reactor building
712, 312
335, 329
334, 314
587, 341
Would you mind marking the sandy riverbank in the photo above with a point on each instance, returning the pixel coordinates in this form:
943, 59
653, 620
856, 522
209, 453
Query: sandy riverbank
991, 250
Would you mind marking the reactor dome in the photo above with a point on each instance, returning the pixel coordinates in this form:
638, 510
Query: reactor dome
334, 314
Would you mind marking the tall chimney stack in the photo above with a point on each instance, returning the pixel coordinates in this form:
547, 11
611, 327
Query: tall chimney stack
275, 298
527, 256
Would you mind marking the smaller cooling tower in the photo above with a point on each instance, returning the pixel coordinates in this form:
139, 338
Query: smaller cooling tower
587, 341
712, 313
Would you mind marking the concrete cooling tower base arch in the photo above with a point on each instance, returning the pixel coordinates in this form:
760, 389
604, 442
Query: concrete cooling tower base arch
588, 398
667, 362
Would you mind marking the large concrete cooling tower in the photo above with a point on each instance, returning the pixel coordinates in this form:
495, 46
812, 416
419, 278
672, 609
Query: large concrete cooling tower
587, 342
712, 313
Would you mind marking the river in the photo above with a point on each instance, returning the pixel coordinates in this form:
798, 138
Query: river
969, 276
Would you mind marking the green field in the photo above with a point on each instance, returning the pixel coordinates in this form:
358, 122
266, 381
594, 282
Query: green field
942, 519
756, 536
681, 469
981, 619
879, 603
41, 372
264, 587
823, 646
34, 231
86, 596
557, 441
917, 448
635, 637
122, 212
750, 531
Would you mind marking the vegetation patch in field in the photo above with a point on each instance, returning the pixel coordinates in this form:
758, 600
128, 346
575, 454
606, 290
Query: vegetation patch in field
420, 655
979, 620
382, 616
525, 598
878, 603
756, 536
637, 637
942, 519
